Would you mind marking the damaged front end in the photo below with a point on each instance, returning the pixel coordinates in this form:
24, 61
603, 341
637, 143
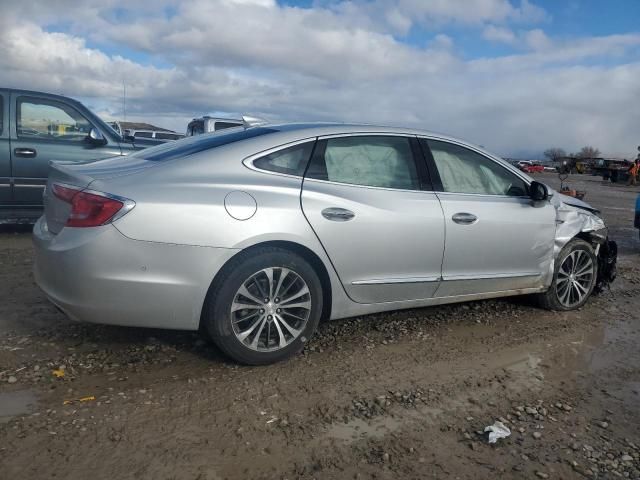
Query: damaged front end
575, 218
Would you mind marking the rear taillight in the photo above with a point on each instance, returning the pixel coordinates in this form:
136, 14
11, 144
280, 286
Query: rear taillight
89, 209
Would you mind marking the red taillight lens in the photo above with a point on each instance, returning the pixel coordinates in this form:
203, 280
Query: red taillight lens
87, 209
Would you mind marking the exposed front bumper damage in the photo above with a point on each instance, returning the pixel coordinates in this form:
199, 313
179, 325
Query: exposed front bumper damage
576, 218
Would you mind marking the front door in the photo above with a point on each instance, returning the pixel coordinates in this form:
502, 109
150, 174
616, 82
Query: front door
5, 156
368, 199
497, 238
47, 130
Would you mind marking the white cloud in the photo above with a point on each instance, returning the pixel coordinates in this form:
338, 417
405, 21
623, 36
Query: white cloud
284, 63
499, 34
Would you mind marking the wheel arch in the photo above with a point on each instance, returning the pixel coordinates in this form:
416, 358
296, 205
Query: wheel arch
305, 252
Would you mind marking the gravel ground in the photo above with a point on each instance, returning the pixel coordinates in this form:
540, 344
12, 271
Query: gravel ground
397, 395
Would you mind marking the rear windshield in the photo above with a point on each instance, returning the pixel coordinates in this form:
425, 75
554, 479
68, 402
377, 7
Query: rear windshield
199, 143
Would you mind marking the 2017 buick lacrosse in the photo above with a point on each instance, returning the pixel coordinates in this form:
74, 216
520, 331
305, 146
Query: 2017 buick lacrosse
257, 233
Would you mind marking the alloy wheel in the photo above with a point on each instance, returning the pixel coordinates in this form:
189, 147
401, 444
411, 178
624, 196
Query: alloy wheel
270, 309
575, 278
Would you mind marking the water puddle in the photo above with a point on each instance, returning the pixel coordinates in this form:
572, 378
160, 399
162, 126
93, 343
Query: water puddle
16, 403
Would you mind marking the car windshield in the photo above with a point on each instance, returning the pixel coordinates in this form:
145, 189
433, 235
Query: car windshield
191, 145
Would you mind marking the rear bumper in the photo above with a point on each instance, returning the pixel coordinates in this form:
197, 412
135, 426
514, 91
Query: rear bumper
98, 275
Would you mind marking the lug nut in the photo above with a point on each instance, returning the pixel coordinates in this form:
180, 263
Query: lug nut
266, 300
262, 310
277, 300
277, 310
269, 317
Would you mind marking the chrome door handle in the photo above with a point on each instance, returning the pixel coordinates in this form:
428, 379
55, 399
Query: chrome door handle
464, 218
338, 214
25, 152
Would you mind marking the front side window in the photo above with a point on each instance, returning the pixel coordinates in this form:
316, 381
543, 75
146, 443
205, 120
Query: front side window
168, 136
465, 171
374, 161
292, 160
50, 120
143, 134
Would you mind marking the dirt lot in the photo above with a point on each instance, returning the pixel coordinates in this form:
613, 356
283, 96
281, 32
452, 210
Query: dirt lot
400, 395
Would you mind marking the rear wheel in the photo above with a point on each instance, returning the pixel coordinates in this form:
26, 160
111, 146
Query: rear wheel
574, 277
265, 306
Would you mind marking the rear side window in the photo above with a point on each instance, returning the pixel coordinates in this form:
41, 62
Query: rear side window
375, 161
292, 160
199, 143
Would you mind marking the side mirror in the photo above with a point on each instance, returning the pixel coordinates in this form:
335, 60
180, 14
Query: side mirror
95, 137
538, 191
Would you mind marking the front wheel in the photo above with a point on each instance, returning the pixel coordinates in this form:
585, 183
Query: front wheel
265, 306
574, 277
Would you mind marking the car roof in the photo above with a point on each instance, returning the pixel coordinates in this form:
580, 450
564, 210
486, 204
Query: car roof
303, 130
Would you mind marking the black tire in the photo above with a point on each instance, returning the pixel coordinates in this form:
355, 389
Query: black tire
217, 317
550, 299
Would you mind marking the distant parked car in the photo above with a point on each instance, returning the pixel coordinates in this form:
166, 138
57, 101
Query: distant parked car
530, 167
207, 124
159, 135
37, 127
256, 234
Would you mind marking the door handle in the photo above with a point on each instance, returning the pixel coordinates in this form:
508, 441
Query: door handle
338, 214
464, 218
25, 152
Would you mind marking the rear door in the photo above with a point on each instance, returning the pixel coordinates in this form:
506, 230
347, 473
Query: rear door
368, 199
497, 238
5, 149
45, 130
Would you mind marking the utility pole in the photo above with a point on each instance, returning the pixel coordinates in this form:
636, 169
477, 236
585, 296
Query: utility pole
124, 101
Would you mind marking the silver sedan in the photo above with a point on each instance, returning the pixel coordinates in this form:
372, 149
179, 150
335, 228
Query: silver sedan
257, 234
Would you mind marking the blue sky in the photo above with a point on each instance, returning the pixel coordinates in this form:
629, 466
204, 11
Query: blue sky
517, 76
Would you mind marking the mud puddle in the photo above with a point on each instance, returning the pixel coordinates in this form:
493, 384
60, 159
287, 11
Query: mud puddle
16, 403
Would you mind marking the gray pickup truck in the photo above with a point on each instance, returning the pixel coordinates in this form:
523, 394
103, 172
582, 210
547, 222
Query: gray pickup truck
36, 128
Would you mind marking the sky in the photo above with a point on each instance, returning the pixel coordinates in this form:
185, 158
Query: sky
515, 76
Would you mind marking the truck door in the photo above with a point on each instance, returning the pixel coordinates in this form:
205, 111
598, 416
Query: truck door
47, 129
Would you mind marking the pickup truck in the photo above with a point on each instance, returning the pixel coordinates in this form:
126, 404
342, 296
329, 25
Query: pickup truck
36, 128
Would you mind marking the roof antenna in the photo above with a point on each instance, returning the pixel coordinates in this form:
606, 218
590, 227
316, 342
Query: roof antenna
253, 121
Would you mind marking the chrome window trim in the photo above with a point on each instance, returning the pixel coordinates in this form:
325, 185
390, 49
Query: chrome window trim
248, 161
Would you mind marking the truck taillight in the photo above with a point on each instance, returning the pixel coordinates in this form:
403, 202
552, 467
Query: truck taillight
89, 209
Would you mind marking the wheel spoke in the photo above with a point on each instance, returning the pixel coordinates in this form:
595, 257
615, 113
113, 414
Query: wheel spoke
269, 273
564, 297
581, 288
303, 291
291, 330
235, 306
283, 341
244, 319
256, 339
306, 304
256, 281
245, 293
284, 272
243, 335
